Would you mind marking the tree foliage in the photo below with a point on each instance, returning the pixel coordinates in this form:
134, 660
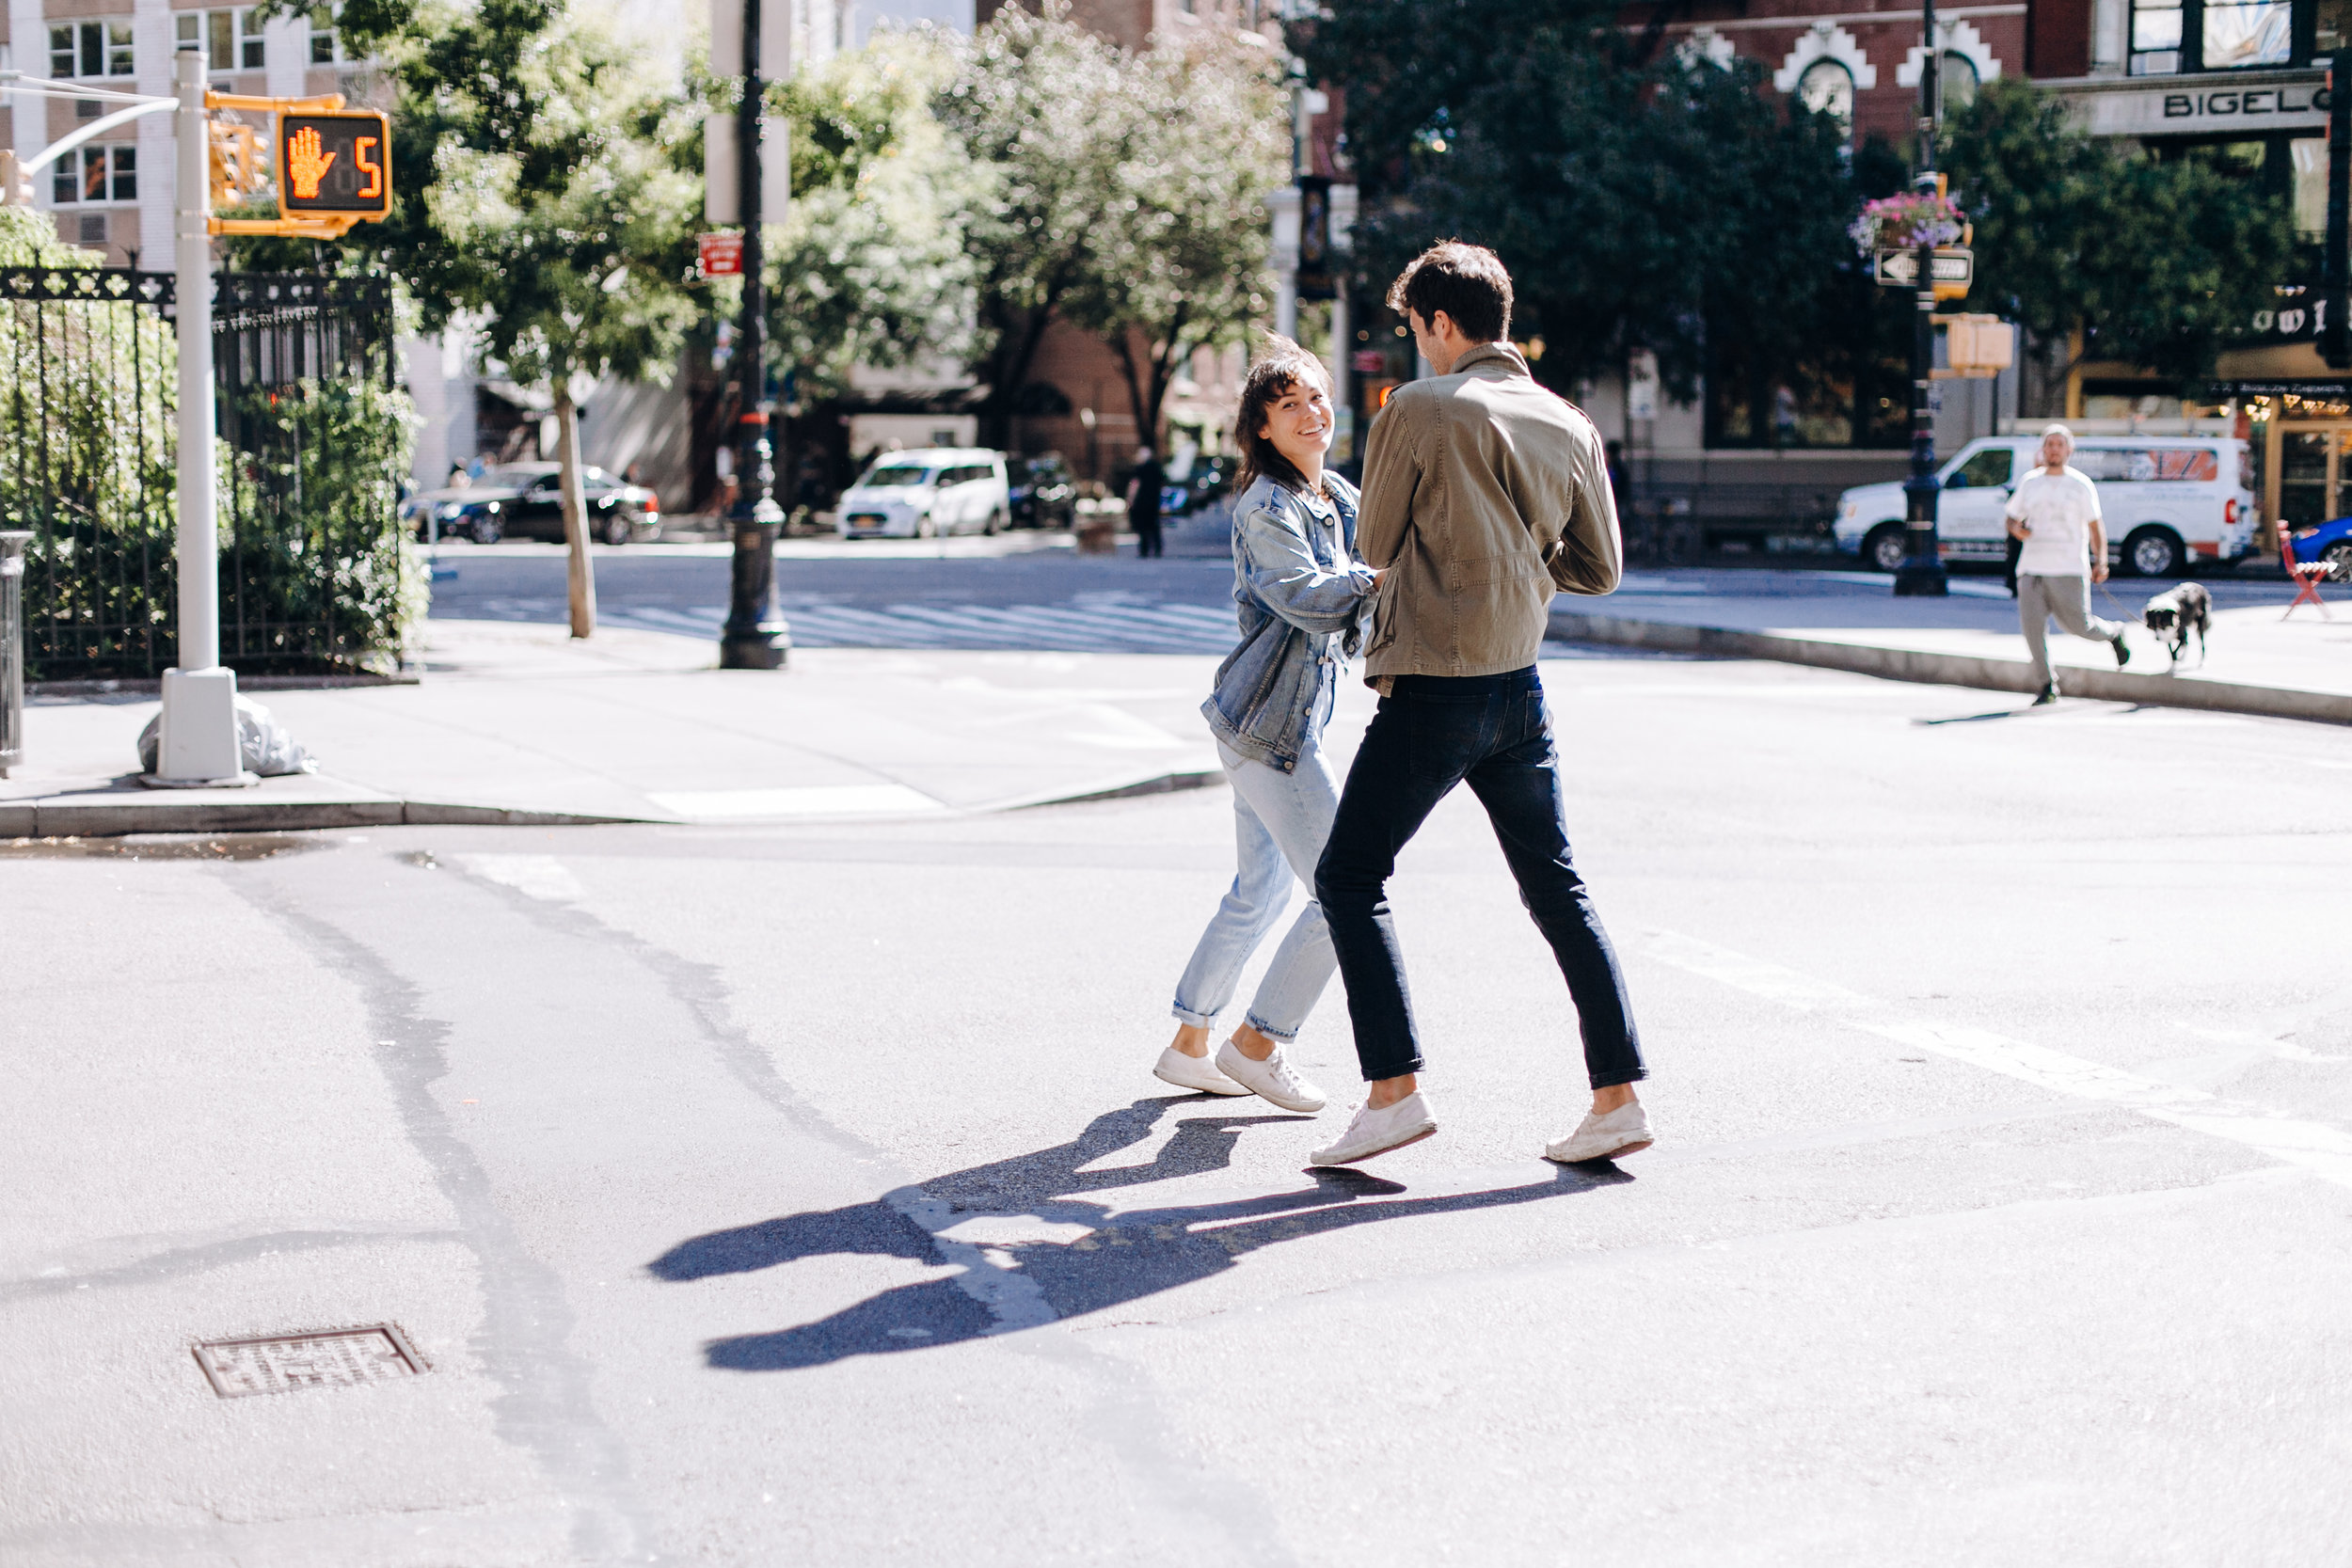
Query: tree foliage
1179, 261
1655, 200
2160, 264
870, 265
1036, 101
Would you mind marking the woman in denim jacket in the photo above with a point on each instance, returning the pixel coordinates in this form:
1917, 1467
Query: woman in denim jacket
1302, 597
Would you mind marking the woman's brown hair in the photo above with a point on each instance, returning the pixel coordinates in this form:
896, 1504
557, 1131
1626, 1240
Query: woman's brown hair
1280, 366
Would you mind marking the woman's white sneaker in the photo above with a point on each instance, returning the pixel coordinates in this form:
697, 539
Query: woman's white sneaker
1270, 1080
1373, 1132
1196, 1073
1623, 1131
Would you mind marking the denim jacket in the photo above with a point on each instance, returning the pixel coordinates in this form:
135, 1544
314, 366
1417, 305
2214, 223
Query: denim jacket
1302, 598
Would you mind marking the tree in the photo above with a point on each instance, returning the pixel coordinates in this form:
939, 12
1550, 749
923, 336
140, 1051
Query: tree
2160, 264
1179, 262
1642, 199
870, 267
1036, 101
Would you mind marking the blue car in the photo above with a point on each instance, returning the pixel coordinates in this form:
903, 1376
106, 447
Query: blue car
2330, 542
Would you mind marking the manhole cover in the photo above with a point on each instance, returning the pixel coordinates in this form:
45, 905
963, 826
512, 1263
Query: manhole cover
327, 1358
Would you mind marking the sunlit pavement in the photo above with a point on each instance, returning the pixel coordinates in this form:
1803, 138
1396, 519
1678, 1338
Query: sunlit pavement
801, 1194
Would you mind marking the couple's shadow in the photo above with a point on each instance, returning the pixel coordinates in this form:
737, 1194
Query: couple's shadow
1115, 1259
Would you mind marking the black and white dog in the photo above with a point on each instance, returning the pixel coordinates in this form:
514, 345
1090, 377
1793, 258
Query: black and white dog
2174, 613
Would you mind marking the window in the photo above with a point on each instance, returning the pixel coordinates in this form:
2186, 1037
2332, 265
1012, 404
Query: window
2155, 37
325, 47
86, 174
2148, 465
2241, 35
2310, 186
232, 39
1986, 468
1827, 88
90, 49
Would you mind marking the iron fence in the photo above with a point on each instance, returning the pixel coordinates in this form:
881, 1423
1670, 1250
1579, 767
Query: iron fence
312, 434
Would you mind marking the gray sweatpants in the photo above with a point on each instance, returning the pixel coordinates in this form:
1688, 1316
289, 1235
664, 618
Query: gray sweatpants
2069, 600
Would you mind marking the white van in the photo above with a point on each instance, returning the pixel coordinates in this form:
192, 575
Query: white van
925, 493
2172, 503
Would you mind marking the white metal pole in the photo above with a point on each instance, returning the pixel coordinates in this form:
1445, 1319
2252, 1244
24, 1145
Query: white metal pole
197, 742
200, 572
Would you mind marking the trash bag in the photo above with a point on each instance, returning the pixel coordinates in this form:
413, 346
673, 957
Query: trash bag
267, 746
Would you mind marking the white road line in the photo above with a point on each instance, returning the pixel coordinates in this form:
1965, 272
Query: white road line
2317, 1146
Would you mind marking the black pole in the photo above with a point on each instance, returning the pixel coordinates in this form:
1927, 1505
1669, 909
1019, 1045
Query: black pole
755, 636
1922, 573
2335, 332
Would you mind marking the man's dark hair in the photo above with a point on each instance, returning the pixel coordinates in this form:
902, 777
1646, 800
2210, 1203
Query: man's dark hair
1466, 281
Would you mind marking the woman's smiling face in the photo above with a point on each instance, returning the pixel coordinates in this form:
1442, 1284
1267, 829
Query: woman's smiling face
1298, 422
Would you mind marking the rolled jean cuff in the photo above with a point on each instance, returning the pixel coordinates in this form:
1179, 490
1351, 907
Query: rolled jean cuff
1414, 1064
1612, 1080
1191, 1019
1268, 1030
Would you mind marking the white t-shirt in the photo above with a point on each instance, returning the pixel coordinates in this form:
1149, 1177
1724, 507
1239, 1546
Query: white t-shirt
2058, 510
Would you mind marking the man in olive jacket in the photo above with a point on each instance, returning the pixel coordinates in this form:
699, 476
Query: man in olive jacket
1482, 492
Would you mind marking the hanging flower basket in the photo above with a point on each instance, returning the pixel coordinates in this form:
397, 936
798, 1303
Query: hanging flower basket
1908, 221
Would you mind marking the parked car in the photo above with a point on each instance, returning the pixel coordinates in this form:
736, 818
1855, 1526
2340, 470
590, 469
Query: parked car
924, 494
1207, 479
2330, 542
2170, 502
1043, 492
525, 500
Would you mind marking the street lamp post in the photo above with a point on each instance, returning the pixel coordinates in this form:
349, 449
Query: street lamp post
756, 638
1922, 571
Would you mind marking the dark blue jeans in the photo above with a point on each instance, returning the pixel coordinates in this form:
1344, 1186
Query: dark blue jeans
1492, 733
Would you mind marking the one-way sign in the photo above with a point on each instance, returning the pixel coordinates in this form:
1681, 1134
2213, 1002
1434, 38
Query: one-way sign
1953, 268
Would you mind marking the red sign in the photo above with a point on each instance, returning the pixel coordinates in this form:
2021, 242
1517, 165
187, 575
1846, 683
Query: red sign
1368, 362
722, 254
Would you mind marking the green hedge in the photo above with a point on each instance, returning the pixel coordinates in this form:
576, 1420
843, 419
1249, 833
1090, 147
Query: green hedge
316, 572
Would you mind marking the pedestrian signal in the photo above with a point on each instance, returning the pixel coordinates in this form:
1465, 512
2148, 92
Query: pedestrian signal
334, 164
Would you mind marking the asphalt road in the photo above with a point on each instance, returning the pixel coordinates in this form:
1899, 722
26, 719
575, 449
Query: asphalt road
803, 1195
1034, 592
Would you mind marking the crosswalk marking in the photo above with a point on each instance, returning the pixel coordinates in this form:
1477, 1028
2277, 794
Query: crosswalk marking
1068, 628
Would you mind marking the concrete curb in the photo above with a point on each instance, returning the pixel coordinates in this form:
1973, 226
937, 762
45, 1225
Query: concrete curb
1991, 675
89, 819
144, 813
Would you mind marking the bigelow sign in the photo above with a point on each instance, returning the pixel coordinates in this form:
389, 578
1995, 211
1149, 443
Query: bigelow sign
2233, 103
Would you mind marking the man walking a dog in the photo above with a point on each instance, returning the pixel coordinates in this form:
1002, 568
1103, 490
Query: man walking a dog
1482, 491
2054, 510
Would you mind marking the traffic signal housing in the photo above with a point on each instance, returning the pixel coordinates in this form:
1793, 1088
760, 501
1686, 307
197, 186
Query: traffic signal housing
333, 166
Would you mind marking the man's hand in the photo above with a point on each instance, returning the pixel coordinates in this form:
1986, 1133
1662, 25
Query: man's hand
2098, 571
306, 165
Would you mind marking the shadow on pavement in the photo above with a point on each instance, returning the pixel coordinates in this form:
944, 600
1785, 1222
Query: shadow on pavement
1118, 1258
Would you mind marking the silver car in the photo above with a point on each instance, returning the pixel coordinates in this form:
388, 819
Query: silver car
928, 493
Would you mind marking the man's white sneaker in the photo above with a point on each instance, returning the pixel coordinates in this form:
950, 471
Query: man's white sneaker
1373, 1132
1621, 1131
1271, 1080
1196, 1073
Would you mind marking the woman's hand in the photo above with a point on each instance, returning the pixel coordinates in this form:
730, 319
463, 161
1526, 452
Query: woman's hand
1379, 576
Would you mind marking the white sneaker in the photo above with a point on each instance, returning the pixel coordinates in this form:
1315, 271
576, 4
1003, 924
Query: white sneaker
1271, 1079
1196, 1073
1373, 1132
1621, 1131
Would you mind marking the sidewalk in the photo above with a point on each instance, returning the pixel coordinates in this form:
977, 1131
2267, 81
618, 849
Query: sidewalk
515, 723
2258, 663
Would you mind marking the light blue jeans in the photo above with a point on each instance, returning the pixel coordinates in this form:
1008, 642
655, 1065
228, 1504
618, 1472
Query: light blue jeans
1279, 823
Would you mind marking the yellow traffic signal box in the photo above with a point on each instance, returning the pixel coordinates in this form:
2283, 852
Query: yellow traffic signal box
333, 164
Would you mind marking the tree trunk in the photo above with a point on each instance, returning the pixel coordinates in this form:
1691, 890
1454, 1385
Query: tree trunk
581, 575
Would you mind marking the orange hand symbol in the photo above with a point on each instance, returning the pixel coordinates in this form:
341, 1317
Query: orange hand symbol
304, 165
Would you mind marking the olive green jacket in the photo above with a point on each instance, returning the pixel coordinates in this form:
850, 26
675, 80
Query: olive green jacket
1473, 482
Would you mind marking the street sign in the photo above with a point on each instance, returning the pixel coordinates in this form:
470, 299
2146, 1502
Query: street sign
1953, 268
334, 164
721, 255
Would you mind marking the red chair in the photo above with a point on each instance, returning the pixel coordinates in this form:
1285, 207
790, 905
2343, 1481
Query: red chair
2306, 575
